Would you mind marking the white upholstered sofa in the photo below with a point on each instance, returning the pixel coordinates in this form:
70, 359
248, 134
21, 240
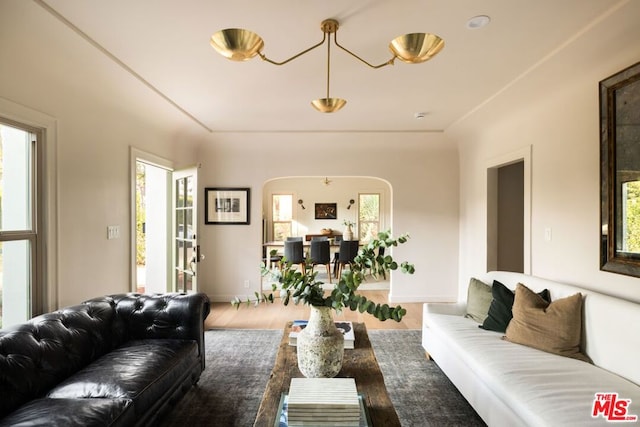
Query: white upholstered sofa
510, 384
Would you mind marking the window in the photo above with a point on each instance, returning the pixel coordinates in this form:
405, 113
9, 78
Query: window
20, 277
282, 215
368, 216
631, 217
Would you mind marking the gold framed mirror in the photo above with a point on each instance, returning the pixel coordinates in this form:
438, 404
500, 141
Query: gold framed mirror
620, 172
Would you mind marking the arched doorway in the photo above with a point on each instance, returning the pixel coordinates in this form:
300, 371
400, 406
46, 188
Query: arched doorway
291, 207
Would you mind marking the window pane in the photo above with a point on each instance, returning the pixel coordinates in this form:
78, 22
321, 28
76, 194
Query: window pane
368, 231
15, 279
15, 178
281, 230
188, 183
369, 207
180, 193
282, 207
631, 216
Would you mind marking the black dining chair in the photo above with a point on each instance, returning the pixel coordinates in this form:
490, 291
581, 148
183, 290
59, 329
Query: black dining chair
320, 254
294, 253
348, 251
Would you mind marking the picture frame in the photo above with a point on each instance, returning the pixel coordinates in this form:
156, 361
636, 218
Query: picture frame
326, 211
227, 206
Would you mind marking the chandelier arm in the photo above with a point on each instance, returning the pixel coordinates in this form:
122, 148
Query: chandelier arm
384, 64
264, 58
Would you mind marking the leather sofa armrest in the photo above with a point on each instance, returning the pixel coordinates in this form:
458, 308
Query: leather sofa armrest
170, 315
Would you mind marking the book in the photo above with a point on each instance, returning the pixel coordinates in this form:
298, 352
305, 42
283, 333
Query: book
282, 419
345, 326
323, 401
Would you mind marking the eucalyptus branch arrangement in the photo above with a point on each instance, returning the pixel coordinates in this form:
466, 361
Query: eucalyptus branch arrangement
303, 287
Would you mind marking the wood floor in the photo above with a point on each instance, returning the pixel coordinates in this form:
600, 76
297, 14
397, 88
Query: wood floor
274, 316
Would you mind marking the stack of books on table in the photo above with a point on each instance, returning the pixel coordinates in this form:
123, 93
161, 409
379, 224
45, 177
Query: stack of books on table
345, 327
323, 402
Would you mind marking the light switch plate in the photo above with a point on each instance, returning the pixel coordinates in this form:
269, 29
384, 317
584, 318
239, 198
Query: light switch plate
113, 232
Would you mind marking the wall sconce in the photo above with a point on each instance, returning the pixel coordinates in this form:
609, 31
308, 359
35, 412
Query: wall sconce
350, 203
300, 202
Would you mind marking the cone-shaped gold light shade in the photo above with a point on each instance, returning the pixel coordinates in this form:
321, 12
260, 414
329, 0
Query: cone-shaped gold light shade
237, 44
416, 47
328, 105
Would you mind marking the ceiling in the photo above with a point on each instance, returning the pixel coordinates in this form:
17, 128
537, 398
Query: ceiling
165, 43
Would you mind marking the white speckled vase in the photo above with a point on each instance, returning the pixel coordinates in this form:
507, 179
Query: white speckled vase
347, 234
320, 345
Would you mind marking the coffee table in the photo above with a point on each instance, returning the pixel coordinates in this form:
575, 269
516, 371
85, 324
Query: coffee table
359, 363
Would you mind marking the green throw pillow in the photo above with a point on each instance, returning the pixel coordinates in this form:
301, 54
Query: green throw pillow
478, 300
500, 314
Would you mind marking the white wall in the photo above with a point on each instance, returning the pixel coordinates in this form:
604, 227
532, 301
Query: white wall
555, 109
56, 72
421, 169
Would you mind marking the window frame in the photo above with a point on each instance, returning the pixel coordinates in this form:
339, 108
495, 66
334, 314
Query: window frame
274, 222
378, 222
37, 292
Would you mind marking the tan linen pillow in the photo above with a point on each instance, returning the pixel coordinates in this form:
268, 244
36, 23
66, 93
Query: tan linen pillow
554, 327
478, 300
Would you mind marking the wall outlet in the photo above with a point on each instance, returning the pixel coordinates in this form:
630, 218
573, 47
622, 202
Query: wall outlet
246, 284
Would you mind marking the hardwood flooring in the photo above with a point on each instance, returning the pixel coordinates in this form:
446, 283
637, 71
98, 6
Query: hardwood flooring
274, 316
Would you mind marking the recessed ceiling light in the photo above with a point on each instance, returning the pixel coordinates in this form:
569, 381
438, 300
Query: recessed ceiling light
419, 116
478, 22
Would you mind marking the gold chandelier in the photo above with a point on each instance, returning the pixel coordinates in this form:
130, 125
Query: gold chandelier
238, 44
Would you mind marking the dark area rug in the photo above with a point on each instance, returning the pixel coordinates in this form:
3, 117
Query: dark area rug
421, 394
239, 363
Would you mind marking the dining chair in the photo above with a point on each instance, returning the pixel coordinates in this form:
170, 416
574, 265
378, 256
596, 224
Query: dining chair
320, 254
348, 251
294, 239
272, 259
294, 253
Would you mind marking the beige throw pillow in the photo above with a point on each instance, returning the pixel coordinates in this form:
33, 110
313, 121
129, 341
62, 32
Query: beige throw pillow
554, 327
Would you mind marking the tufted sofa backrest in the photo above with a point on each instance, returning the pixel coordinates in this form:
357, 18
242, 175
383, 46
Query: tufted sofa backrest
170, 315
36, 355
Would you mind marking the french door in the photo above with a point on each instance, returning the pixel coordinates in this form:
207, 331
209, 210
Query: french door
185, 243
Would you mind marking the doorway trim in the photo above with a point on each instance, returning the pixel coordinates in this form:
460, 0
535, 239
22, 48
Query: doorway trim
492, 166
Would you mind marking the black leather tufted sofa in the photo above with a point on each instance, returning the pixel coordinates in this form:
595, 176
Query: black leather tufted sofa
119, 360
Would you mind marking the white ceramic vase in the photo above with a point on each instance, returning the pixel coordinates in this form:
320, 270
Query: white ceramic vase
348, 233
320, 345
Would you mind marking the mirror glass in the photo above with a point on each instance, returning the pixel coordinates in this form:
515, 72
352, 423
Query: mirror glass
620, 172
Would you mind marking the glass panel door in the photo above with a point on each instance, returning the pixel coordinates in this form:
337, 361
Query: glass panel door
186, 250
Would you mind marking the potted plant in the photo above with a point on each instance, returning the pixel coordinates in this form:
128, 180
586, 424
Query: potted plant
320, 344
